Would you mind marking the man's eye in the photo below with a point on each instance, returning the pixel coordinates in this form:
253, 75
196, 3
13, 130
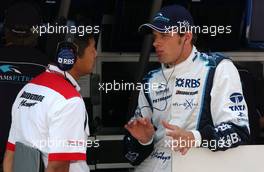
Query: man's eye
165, 35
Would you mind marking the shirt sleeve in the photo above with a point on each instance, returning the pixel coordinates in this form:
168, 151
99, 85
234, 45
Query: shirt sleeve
67, 136
228, 110
134, 151
13, 132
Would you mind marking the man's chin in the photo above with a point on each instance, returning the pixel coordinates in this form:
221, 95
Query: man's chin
161, 60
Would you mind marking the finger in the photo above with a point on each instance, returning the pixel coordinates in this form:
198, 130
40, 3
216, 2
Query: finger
142, 121
175, 148
148, 122
184, 151
134, 123
130, 122
129, 128
175, 145
174, 134
169, 126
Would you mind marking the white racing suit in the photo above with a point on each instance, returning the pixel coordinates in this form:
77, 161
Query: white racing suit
203, 95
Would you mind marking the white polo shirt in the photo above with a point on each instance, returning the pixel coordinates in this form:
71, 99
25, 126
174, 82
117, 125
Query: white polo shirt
49, 114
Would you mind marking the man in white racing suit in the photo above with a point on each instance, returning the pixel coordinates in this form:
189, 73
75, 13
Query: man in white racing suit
193, 100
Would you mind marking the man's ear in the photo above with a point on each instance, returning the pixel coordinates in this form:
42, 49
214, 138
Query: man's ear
78, 58
188, 37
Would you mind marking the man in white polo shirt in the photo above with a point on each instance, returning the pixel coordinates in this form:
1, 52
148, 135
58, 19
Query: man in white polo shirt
49, 113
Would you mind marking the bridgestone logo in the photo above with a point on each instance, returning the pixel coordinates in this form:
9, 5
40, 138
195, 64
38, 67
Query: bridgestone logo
30, 96
186, 92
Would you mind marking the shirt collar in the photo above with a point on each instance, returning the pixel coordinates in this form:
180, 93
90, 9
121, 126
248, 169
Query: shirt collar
52, 68
183, 65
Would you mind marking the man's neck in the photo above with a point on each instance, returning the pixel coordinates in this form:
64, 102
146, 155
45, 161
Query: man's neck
74, 74
183, 56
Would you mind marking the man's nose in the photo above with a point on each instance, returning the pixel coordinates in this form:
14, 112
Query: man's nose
156, 43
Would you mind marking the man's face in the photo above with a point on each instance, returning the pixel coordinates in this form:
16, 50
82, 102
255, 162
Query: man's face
87, 61
168, 47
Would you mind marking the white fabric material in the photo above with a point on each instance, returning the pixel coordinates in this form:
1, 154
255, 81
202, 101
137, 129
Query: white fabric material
179, 98
68, 76
54, 125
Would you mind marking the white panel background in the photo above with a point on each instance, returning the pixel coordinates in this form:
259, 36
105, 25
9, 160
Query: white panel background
240, 159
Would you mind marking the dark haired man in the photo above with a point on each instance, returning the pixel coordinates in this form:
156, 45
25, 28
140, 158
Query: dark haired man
49, 113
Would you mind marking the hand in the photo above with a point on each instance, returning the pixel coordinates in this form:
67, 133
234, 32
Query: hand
182, 140
141, 129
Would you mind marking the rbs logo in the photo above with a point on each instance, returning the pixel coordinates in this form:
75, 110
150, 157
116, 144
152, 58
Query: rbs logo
187, 83
66, 56
65, 61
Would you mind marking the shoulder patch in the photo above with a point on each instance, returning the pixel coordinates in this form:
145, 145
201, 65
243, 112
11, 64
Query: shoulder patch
212, 59
56, 83
151, 73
